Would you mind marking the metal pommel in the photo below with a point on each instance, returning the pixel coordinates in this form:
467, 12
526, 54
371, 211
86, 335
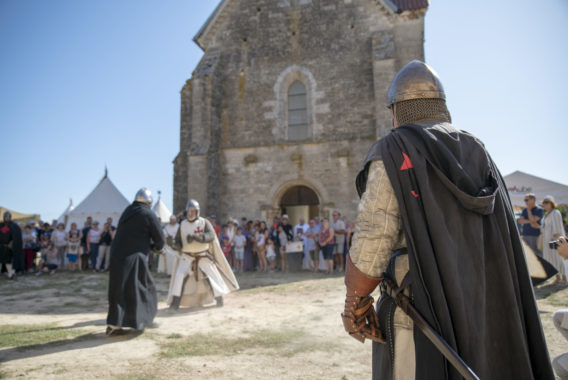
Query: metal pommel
144, 195
192, 204
416, 80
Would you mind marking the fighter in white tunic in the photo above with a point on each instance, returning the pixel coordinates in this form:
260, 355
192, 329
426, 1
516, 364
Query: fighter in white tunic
201, 273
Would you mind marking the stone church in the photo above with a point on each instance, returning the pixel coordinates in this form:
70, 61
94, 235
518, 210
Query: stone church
285, 102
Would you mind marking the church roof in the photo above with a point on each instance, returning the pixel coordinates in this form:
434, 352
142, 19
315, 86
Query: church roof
397, 6
400, 6
209, 24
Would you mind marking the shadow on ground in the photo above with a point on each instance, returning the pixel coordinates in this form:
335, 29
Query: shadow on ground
88, 340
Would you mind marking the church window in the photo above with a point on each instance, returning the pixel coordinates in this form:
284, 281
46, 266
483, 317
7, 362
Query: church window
297, 111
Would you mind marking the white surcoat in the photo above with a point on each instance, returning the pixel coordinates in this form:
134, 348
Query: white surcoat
192, 228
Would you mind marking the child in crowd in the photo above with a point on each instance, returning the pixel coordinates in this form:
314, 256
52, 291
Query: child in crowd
261, 249
51, 259
239, 240
283, 238
73, 248
44, 245
226, 247
270, 254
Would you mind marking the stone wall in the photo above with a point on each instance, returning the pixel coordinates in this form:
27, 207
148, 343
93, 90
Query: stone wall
235, 157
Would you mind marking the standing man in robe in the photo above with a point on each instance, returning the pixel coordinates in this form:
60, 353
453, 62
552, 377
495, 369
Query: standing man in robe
202, 273
166, 260
10, 246
132, 297
436, 229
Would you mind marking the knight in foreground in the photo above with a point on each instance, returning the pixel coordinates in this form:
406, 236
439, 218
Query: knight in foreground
436, 231
132, 298
201, 273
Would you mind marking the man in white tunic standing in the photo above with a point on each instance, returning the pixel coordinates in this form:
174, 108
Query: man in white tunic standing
167, 260
201, 273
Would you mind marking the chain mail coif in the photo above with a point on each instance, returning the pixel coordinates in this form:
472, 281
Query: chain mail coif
410, 111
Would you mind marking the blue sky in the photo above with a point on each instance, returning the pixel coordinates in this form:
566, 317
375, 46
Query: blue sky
84, 84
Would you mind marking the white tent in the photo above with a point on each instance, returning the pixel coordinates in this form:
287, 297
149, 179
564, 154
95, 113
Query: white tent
65, 215
105, 201
161, 211
520, 183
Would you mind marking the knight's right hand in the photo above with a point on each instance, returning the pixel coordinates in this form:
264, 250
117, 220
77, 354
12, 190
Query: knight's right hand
360, 320
189, 238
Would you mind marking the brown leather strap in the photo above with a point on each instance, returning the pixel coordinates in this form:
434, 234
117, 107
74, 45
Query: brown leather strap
195, 265
357, 282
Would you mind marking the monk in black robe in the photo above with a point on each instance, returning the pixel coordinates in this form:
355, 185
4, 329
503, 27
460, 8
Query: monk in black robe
11, 256
132, 297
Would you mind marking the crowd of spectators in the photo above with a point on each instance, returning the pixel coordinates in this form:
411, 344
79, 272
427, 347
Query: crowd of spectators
256, 245
249, 245
49, 247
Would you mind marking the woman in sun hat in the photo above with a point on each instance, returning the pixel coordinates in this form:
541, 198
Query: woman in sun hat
551, 229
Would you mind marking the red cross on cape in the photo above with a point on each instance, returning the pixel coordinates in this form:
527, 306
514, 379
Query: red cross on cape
406, 164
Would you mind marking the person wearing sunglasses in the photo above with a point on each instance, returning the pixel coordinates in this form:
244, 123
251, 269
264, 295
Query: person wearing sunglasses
530, 221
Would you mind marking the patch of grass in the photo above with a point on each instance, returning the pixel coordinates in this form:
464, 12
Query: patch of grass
559, 298
30, 335
73, 305
204, 345
174, 336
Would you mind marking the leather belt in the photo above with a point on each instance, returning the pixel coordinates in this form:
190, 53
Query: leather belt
196, 256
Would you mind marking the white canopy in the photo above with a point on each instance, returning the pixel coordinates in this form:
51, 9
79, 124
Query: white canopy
161, 211
519, 184
65, 215
105, 201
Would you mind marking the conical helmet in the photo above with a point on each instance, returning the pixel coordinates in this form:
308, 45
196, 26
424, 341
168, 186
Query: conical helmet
144, 195
416, 80
192, 204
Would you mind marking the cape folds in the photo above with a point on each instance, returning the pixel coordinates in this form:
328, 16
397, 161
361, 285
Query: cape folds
469, 276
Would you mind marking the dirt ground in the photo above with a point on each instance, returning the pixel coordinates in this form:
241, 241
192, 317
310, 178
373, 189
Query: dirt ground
280, 326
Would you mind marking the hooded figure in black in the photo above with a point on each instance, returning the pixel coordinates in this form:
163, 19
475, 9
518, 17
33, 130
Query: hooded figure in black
11, 255
433, 192
132, 297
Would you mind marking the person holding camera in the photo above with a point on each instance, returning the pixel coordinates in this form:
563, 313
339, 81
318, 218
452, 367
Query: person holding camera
551, 229
560, 317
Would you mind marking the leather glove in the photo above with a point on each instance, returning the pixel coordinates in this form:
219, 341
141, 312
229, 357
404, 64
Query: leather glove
199, 238
189, 238
170, 241
359, 317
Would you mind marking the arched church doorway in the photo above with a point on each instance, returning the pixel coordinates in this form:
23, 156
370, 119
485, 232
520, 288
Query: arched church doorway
299, 201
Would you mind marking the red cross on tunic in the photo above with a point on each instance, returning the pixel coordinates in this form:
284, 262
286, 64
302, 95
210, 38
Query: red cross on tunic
198, 230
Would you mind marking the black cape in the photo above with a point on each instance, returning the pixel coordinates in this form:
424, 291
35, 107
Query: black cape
132, 297
469, 276
11, 234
